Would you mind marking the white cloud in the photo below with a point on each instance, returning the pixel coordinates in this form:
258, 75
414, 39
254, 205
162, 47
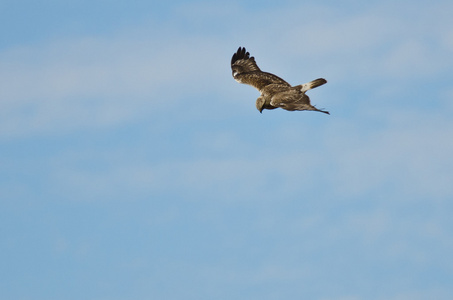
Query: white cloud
366, 45
408, 159
98, 81
354, 199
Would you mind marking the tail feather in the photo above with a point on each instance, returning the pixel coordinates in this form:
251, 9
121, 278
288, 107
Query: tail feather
312, 84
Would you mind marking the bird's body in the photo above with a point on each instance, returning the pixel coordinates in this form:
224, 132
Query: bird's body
275, 92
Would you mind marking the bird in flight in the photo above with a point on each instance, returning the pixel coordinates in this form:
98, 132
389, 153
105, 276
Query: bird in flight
275, 92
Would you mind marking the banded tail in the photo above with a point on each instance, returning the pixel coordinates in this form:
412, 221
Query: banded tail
312, 84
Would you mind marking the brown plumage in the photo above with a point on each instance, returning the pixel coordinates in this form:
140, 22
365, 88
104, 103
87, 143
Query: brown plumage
275, 92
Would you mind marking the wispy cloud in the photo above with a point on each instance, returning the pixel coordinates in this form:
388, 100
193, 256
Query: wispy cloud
97, 81
91, 82
145, 127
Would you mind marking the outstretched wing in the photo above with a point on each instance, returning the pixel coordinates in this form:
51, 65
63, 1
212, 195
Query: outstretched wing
245, 70
242, 58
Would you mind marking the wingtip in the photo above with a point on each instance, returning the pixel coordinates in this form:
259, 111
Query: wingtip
241, 53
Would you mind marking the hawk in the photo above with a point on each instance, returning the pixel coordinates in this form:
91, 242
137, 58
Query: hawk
275, 92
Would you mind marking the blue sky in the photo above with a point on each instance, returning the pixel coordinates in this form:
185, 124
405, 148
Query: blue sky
133, 166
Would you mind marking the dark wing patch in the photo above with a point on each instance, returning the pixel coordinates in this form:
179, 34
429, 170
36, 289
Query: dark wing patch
243, 58
240, 54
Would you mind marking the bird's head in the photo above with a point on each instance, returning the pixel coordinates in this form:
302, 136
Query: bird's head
260, 104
